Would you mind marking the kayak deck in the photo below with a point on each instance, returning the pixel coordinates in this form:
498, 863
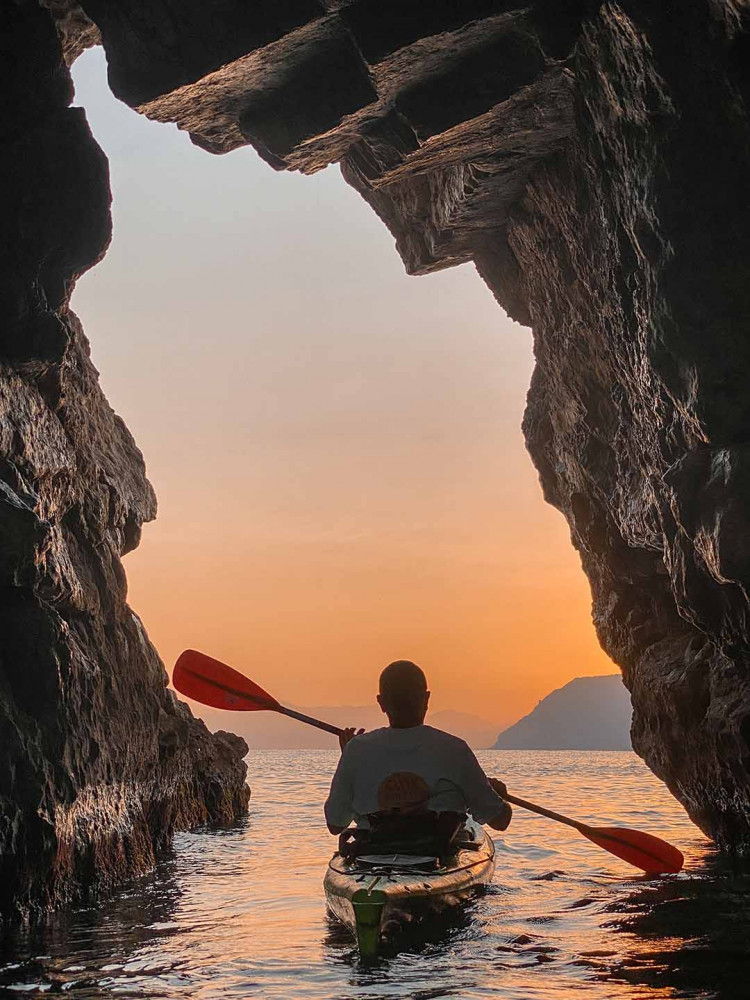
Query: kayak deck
376, 896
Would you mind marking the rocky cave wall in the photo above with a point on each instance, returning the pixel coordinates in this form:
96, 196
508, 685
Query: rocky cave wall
99, 762
634, 249
590, 158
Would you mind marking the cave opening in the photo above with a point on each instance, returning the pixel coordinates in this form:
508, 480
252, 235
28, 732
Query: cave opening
335, 446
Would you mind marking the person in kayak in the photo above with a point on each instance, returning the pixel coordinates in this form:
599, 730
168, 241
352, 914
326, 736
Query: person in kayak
410, 771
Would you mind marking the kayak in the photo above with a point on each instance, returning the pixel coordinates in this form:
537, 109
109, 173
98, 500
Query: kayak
378, 895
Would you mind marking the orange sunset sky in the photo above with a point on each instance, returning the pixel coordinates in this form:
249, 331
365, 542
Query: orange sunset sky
336, 447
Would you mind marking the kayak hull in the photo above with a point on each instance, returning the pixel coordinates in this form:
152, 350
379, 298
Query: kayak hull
378, 897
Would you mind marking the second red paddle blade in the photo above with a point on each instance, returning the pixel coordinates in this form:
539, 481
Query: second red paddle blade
644, 851
213, 683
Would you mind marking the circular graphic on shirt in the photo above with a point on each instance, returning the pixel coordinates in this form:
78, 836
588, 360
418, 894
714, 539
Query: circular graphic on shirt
404, 791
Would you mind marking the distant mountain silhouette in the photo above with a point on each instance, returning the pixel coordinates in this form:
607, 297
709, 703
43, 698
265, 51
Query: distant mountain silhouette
478, 733
589, 713
270, 731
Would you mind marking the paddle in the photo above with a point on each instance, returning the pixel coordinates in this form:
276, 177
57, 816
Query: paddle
213, 683
642, 850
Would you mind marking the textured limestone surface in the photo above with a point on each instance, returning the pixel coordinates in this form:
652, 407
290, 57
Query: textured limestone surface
591, 159
99, 762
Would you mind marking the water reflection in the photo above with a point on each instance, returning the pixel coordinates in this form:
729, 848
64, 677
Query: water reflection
691, 935
87, 950
240, 913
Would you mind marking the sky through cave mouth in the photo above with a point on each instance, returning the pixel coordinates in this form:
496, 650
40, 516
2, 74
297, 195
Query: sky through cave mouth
336, 447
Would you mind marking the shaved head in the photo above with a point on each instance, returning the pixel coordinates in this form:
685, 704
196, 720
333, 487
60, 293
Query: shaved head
402, 677
403, 693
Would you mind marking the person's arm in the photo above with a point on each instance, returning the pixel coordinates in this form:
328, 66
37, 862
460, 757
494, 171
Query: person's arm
485, 797
339, 807
502, 820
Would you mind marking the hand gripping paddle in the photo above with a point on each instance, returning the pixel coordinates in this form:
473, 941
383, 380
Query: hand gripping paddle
213, 683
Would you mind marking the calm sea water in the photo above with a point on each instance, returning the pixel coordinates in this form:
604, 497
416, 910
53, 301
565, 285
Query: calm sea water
240, 913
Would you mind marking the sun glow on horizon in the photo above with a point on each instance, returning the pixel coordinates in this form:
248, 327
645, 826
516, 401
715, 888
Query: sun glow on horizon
336, 447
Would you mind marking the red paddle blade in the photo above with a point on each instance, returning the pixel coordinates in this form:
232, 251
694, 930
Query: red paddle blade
642, 850
213, 683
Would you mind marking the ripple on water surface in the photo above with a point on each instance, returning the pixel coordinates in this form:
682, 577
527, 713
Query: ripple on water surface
239, 913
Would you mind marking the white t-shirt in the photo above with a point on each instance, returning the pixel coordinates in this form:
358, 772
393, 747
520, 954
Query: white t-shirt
403, 768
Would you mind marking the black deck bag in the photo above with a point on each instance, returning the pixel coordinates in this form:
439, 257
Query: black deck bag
393, 832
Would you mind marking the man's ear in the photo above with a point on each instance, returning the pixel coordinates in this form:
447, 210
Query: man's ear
426, 699
380, 702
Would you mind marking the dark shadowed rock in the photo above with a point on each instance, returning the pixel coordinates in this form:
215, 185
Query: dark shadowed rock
588, 713
99, 762
637, 416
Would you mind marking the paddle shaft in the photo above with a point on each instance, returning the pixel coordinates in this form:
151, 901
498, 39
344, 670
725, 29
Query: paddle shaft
325, 726
514, 800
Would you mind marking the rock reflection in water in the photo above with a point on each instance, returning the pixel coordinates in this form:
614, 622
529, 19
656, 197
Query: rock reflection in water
87, 951
690, 935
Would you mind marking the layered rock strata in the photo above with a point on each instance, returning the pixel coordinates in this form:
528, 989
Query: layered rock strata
592, 160
99, 762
